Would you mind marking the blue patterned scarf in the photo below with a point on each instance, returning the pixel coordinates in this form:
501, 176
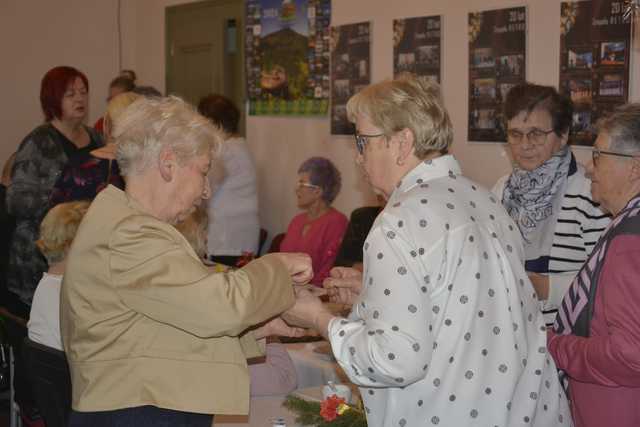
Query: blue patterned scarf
533, 199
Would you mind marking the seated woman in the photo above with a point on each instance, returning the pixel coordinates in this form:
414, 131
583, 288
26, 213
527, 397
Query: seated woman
57, 231
446, 329
318, 231
548, 194
276, 375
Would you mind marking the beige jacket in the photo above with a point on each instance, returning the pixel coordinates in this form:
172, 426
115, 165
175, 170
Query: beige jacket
145, 323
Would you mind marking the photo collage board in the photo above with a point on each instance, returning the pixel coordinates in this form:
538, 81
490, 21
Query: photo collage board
594, 62
287, 56
350, 70
497, 62
417, 47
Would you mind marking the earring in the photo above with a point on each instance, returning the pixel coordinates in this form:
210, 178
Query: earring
399, 161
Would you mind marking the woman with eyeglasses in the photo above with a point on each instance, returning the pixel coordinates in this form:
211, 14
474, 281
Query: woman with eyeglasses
446, 329
548, 194
64, 97
319, 229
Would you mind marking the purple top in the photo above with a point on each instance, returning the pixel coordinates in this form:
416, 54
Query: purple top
604, 368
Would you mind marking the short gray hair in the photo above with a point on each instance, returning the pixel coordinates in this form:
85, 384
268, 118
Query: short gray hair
408, 102
149, 125
622, 126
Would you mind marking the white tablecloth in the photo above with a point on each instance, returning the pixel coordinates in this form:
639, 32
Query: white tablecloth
313, 368
264, 410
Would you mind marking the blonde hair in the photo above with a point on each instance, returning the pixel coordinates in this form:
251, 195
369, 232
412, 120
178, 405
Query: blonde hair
409, 102
150, 125
58, 228
116, 107
194, 229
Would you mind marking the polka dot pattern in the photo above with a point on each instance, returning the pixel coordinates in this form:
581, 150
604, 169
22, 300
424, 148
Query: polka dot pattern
439, 301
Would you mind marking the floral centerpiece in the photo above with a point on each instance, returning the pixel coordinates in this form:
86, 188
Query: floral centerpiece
331, 412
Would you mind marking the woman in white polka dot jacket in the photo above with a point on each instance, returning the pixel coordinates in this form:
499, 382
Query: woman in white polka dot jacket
445, 328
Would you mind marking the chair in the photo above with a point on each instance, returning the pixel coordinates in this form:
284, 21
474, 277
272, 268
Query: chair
51, 382
275, 243
262, 240
14, 408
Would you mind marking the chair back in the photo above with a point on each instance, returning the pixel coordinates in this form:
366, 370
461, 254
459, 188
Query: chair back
262, 239
275, 243
50, 380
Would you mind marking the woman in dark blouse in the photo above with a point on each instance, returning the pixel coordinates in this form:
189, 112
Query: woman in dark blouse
39, 161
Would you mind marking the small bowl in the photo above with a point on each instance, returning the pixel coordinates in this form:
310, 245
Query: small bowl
341, 390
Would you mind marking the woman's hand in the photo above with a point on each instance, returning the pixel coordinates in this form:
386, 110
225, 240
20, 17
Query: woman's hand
277, 326
299, 266
343, 285
308, 312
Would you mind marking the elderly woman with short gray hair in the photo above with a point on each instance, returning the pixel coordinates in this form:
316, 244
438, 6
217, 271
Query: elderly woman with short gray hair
596, 337
445, 329
152, 336
317, 231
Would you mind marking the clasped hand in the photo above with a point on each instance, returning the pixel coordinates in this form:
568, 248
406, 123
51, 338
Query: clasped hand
343, 285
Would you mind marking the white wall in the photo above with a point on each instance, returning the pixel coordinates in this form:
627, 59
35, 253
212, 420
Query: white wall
36, 36
85, 35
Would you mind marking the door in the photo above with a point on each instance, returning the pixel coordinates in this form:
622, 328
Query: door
204, 51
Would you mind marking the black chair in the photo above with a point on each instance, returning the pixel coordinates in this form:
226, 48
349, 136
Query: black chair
50, 380
262, 239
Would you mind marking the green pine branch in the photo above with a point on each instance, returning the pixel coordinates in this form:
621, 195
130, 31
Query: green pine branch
308, 414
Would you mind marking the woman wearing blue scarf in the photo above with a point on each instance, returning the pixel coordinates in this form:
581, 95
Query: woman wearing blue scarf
548, 194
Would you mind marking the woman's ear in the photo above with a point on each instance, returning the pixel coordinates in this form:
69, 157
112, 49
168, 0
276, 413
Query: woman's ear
407, 142
635, 170
167, 164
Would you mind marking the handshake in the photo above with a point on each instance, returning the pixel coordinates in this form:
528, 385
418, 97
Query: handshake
308, 312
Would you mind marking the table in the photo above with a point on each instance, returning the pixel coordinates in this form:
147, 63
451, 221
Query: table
312, 368
265, 409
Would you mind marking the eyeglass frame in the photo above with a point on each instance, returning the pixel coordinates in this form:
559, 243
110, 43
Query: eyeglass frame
527, 134
306, 185
596, 153
362, 140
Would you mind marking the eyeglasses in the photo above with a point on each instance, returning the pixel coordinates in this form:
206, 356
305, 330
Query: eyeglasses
301, 184
535, 136
362, 140
596, 153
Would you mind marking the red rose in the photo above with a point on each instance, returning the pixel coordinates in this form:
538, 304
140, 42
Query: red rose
329, 407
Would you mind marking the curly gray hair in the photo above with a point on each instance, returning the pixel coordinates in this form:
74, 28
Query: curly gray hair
149, 125
323, 173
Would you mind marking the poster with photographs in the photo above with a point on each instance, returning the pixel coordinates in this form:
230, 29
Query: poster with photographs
350, 71
497, 62
417, 46
287, 56
594, 62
